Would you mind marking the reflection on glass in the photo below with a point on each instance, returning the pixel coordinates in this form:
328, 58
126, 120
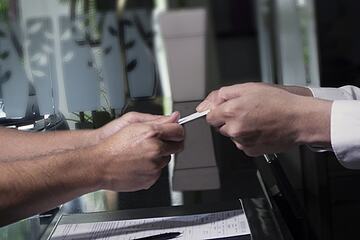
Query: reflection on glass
111, 62
41, 50
305, 9
140, 60
13, 80
82, 86
68, 52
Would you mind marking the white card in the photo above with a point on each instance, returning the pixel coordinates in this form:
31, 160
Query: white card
192, 117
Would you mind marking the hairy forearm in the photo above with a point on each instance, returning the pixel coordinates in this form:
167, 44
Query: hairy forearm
18, 145
33, 186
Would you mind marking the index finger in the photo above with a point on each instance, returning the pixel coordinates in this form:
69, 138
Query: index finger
211, 101
222, 113
215, 118
136, 117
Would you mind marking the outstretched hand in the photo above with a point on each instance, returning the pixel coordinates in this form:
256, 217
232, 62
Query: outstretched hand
132, 158
261, 118
130, 118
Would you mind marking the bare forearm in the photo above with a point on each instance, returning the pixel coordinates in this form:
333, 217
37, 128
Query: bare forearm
313, 121
33, 186
18, 145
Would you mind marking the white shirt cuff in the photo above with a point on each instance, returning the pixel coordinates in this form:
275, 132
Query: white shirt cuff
343, 93
345, 132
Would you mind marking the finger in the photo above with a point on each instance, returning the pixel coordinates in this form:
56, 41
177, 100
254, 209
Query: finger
173, 118
247, 150
224, 130
206, 103
230, 92
136, 117
211, 101
215, 118
225, 112
238, 145
170, 132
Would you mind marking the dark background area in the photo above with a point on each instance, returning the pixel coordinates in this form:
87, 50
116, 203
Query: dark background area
331, 193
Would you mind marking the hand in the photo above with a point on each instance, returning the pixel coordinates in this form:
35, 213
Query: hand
260, 118
132, 158
215, 97
220, 96
129, 118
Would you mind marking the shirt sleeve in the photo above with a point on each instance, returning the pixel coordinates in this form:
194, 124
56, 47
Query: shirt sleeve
343, 93
345, 123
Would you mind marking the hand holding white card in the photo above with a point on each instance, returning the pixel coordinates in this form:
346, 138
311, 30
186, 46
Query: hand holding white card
192, 117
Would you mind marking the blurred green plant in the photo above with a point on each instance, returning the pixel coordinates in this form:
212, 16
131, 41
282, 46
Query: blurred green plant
304, 18
91, 39
4, 6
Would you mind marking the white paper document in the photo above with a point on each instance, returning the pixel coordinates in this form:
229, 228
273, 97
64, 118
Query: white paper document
201, 226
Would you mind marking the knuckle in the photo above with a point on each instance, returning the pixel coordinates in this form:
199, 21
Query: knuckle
235, 131
130, 115
152, 130
209, 117
229, 110
222, 92
213, 95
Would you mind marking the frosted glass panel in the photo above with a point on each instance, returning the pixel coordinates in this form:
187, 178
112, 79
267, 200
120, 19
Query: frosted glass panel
81, 79
140, 61
41, 50
184, 33
61, 57
112, 67
14, 84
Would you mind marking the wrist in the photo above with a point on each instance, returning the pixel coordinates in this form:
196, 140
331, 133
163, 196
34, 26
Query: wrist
91, 158
313, 122
100, 159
